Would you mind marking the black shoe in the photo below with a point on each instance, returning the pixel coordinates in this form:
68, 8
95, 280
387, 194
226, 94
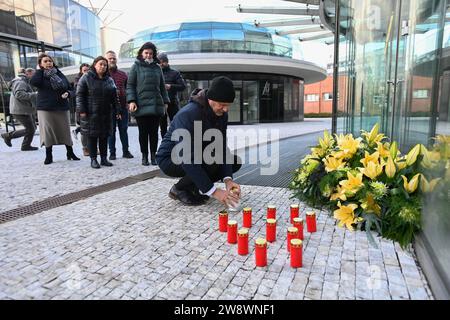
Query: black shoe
70, 154
184, 196
7, 139
48, 155
105, 162
29, 148
94, 164
145, 161
199, 196
128, 155
112, 156
153, 159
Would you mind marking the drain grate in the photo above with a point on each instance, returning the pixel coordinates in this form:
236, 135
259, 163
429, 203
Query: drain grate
55, 202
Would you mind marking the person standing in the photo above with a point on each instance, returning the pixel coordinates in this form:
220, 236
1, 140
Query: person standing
21, 106
147, 97
53, 107
97, 103
84, 68
120, 79
174, 84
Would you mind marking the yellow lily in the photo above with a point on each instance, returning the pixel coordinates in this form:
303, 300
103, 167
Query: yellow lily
333, 164
401, 163
346, 215
340, 194
327, 141
372, 170
369, 205
426, 186
390, 168
382, 150
353, 184
412, 155
394, 150
412, 185
370, 158
348, 145
373, 136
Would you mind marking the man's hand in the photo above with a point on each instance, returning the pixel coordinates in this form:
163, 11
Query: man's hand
168, 86
119, 117
65, 95
221, 196
83, 115
132, 107
233, 187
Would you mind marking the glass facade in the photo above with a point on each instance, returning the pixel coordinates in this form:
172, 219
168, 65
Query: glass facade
394, 69
62, 23
191, 37
259, 97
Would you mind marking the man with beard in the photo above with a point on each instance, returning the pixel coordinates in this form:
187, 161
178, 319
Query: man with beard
120, 78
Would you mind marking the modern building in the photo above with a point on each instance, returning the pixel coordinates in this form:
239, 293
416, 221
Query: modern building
63, 28
268, 81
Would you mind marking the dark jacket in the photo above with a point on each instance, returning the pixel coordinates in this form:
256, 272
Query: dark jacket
174, 78
197, 109
23, 98
98, 99
147, 89
47, 98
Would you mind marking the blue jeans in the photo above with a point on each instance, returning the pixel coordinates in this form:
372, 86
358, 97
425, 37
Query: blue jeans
123, 127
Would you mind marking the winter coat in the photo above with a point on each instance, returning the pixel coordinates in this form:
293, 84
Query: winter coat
23, 98
146, 87
47, 98
198, 109
176, 81
98, 99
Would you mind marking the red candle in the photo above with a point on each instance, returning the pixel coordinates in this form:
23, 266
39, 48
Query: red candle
271, 230
294, 212
232, 232
271, 212
296, 253
243, 242
311, 221
298, 223
247, 218
261, 252
223, 221
291, 234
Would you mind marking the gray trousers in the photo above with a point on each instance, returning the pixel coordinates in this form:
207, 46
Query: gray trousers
29, 123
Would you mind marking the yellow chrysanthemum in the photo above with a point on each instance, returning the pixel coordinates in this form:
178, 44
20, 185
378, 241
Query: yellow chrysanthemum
346, 215
333, 164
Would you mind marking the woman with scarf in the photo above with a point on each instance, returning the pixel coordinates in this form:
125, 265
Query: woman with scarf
147, 98
53, 107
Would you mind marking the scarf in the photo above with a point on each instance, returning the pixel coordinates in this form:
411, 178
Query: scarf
55, 81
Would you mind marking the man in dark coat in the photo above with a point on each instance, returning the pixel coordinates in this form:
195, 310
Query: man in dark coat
207, 109
174, 84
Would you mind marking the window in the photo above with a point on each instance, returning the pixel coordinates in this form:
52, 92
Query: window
165, 35
328, 96
195, 34
420, 94
223, 34
312, 97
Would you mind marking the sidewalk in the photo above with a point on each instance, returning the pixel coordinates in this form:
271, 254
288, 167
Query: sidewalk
137, 243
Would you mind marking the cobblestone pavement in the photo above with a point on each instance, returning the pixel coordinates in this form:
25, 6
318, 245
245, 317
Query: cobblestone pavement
136, 243
25, 179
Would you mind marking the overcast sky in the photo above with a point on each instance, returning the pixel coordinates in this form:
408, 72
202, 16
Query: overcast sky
138, 15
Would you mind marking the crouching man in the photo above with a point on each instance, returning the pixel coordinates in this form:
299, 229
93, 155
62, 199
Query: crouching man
183, 152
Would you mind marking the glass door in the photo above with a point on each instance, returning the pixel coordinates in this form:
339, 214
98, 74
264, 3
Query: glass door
235, 112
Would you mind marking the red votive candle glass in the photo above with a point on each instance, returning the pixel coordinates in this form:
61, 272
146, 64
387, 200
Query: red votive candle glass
223, 221
271, 212
261, 252
291, 234
311, 221
271, 230
296, 253
232, 232
247, 218
298, 223
243, 242
295, 211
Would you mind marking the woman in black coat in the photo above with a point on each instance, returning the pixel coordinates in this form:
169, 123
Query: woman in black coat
53, 107
97, 101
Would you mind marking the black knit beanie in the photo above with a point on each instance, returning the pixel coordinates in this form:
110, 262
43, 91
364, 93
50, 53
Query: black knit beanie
221, 90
